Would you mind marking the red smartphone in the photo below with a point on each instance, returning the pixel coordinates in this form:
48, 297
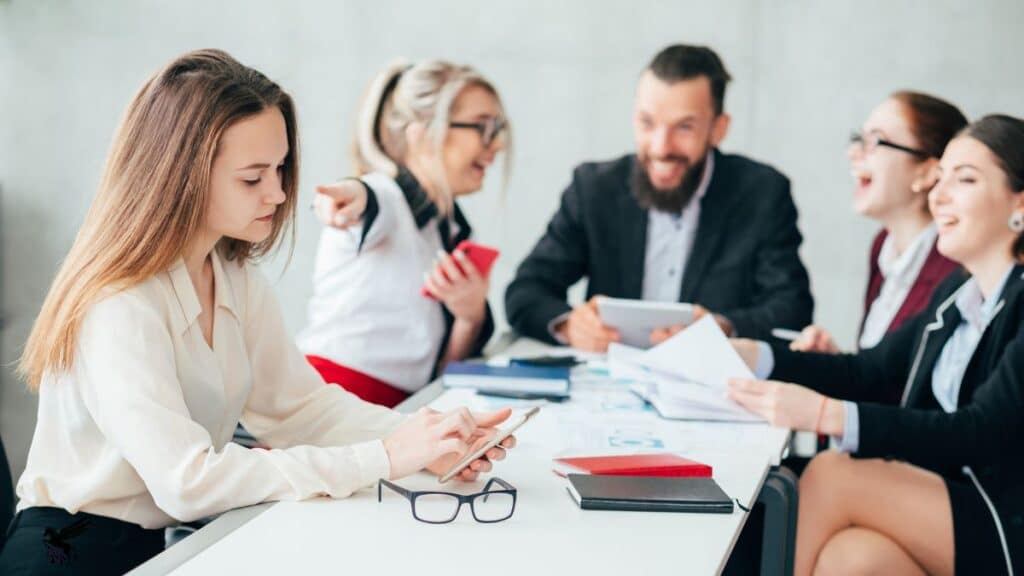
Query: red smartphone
481, 256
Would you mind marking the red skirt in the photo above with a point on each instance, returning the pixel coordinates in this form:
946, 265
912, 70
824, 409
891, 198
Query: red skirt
363, 385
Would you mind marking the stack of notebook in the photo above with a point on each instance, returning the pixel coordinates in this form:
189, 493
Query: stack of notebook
663, 465
648, 494
521, 381
643, 482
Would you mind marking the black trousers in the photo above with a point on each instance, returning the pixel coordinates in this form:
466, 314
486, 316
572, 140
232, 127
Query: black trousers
52, 541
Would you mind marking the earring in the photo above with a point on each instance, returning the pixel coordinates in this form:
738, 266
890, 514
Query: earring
915, 188
1016, 222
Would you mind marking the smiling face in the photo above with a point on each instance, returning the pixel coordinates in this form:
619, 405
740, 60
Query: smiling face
674, 125
464, 155
885, 177
245, 180
972, 203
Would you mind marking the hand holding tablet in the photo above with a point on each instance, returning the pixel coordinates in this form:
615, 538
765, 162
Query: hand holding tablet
635, 320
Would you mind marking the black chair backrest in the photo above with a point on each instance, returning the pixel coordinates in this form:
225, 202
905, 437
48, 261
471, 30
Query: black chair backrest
6, 495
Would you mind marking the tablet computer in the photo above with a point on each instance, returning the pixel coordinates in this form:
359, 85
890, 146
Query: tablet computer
636, 319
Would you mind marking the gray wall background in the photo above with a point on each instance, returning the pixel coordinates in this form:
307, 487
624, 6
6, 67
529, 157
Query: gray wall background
805, 71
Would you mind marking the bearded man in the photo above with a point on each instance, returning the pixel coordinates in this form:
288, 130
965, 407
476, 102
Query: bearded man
678, 221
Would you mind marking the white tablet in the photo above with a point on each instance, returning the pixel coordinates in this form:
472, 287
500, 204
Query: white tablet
636, 319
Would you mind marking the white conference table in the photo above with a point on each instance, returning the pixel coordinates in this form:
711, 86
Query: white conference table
548, 531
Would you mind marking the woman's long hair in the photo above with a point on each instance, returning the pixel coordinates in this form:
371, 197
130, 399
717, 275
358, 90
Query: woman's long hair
151, 203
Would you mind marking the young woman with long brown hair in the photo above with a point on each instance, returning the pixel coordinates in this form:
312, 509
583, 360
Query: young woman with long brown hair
159, 334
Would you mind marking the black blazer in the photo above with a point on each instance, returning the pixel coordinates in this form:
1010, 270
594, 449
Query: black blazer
983, 440
744, 263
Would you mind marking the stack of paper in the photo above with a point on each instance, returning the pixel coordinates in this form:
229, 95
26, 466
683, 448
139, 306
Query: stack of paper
686, 377
688, 401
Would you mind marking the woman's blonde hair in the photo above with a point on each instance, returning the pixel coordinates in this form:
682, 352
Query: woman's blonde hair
405, 93
151, 203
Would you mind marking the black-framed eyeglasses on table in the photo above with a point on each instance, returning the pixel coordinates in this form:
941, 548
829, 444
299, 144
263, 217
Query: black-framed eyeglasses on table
436, 507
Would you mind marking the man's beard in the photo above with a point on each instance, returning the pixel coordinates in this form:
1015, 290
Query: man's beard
672, 201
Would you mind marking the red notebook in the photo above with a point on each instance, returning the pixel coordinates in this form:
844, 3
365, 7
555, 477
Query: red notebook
663, 465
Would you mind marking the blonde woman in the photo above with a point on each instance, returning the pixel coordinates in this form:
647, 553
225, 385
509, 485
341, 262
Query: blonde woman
427, 134
159, 335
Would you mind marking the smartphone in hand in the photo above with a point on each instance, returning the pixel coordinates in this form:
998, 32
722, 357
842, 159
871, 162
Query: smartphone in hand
481, 256
498, 438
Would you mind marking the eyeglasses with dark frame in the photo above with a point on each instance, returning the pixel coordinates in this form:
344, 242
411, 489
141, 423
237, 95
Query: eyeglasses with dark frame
868, 143
434, 507
489, 129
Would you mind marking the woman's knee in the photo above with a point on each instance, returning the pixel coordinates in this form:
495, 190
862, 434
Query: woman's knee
823, 470
848, 553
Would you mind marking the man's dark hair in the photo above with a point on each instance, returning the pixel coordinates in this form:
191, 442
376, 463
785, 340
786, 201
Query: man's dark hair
684, 62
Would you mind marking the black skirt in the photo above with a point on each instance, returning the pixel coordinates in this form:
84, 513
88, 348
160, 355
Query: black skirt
52, 541
977, 546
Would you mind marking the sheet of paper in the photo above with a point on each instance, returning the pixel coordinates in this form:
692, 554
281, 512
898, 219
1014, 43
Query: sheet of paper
606, 422
680, 400
626, 363
701, 353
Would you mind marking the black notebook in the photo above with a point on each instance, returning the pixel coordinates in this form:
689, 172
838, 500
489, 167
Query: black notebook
648, 494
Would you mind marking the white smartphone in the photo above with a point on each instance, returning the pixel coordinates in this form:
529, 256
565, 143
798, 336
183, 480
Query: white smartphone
636, 319
498, 438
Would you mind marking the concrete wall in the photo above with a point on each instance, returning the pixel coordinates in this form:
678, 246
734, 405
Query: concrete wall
806, 72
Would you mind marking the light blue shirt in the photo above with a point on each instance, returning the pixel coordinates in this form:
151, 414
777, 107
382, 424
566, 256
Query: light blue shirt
976, 313
669, 244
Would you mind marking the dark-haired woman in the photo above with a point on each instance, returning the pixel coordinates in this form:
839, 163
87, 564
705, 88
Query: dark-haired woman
892, 160
936, 484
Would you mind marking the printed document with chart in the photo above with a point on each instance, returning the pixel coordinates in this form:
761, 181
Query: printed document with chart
686, 376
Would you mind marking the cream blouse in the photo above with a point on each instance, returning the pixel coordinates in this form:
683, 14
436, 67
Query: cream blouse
140, 428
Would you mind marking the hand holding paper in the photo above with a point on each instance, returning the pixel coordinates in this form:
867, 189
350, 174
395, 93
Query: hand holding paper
701, 353
686, 377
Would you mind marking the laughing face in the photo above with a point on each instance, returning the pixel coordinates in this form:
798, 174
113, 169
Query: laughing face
972, 203
466, 155
884, 177
674, 124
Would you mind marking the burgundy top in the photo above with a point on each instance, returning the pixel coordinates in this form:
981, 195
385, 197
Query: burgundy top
936, 268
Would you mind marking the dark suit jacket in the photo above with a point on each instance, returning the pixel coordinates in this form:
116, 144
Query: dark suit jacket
744, 263
986, 433
936, 268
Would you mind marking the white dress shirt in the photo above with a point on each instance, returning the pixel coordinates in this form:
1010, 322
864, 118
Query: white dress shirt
140, 427
367, 312
669, 243
899, 272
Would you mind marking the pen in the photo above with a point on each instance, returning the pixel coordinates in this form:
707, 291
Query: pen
785, 334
